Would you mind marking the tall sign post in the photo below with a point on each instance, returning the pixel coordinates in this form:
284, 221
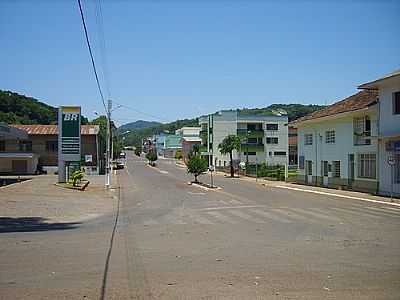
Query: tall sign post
391, 160
69, 140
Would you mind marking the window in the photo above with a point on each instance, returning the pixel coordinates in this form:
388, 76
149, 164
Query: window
330, 137
25, 146
336, 168
52, 146
308, 139
272, 140
252, 140
272, 126
367, 166
250, 153
2, 145
396, 103
308, 167
362, 126
280, 153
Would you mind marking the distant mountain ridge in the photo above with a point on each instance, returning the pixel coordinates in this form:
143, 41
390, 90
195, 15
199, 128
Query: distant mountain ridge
139, 124
294, 111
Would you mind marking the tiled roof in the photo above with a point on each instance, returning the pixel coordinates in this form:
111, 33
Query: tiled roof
53, 129
374, 84
355, 102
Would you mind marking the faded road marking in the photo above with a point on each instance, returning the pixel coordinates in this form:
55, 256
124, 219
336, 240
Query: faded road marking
229, 207
270, 216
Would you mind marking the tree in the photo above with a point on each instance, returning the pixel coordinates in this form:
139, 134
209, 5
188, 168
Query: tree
138, 150
152, 157
197, 166
228, 144
178, 154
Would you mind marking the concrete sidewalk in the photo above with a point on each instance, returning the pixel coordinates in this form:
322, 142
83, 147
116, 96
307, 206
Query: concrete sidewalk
318, 190
40, 197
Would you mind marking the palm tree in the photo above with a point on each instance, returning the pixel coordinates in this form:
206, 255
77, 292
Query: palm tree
228, 144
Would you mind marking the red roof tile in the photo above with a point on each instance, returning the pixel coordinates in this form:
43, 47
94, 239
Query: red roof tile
53, 129
355, 102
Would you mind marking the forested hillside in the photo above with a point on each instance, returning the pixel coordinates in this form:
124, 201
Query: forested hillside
20, 109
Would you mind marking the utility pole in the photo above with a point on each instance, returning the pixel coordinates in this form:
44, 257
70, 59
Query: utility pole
108, 166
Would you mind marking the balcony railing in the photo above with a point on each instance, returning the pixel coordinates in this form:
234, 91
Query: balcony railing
363, 138
259, 147
250, 133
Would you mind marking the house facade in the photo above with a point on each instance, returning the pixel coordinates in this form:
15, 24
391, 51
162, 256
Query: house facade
338, 145
42, 142
263, 138
12, 159
388, 89
190, 136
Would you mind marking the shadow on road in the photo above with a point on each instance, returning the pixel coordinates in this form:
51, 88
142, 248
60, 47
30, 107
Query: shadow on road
32, 224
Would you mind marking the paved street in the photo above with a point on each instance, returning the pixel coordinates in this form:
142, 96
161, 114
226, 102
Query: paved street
179, 241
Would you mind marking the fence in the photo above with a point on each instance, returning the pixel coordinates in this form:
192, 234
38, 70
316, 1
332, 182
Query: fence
270, 172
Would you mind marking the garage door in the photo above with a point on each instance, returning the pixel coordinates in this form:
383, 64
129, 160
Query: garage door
20, 166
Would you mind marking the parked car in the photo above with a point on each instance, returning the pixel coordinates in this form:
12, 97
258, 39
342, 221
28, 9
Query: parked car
122, 155
118, 165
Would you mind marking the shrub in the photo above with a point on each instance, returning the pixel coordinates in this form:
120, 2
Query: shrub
76, 177
197, 166
152, 157
178, 154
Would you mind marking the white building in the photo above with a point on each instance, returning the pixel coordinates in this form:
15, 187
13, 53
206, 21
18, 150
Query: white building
388, 88
263, 138
188, 132
338, 145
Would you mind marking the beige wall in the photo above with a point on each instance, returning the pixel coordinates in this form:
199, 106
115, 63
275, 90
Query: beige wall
6, 165
49, 158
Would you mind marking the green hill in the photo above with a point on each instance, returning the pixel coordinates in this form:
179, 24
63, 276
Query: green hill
139, 124
20, 109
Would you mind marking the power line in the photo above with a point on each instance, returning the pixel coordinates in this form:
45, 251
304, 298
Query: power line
91, 55
143, 113
102, 43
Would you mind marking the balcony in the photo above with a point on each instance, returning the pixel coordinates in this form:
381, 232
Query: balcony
252, 147
362, 139
250, 133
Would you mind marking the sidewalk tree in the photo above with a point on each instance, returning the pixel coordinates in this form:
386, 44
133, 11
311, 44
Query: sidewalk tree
228, 144
152, 157
178, 154
138, 150
197, 166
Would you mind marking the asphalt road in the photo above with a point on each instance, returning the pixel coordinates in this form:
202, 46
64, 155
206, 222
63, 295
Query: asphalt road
178, 241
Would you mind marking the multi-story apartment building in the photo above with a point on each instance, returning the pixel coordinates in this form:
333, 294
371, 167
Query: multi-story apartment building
338, 145
388, 88
263, 138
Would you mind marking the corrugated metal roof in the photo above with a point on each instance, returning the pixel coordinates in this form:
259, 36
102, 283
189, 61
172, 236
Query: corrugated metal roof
53, 129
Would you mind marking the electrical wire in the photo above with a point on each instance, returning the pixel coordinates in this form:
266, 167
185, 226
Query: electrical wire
102, 45
144, 113
91, 56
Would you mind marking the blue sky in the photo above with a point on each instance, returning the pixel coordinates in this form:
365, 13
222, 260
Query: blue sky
177, 59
